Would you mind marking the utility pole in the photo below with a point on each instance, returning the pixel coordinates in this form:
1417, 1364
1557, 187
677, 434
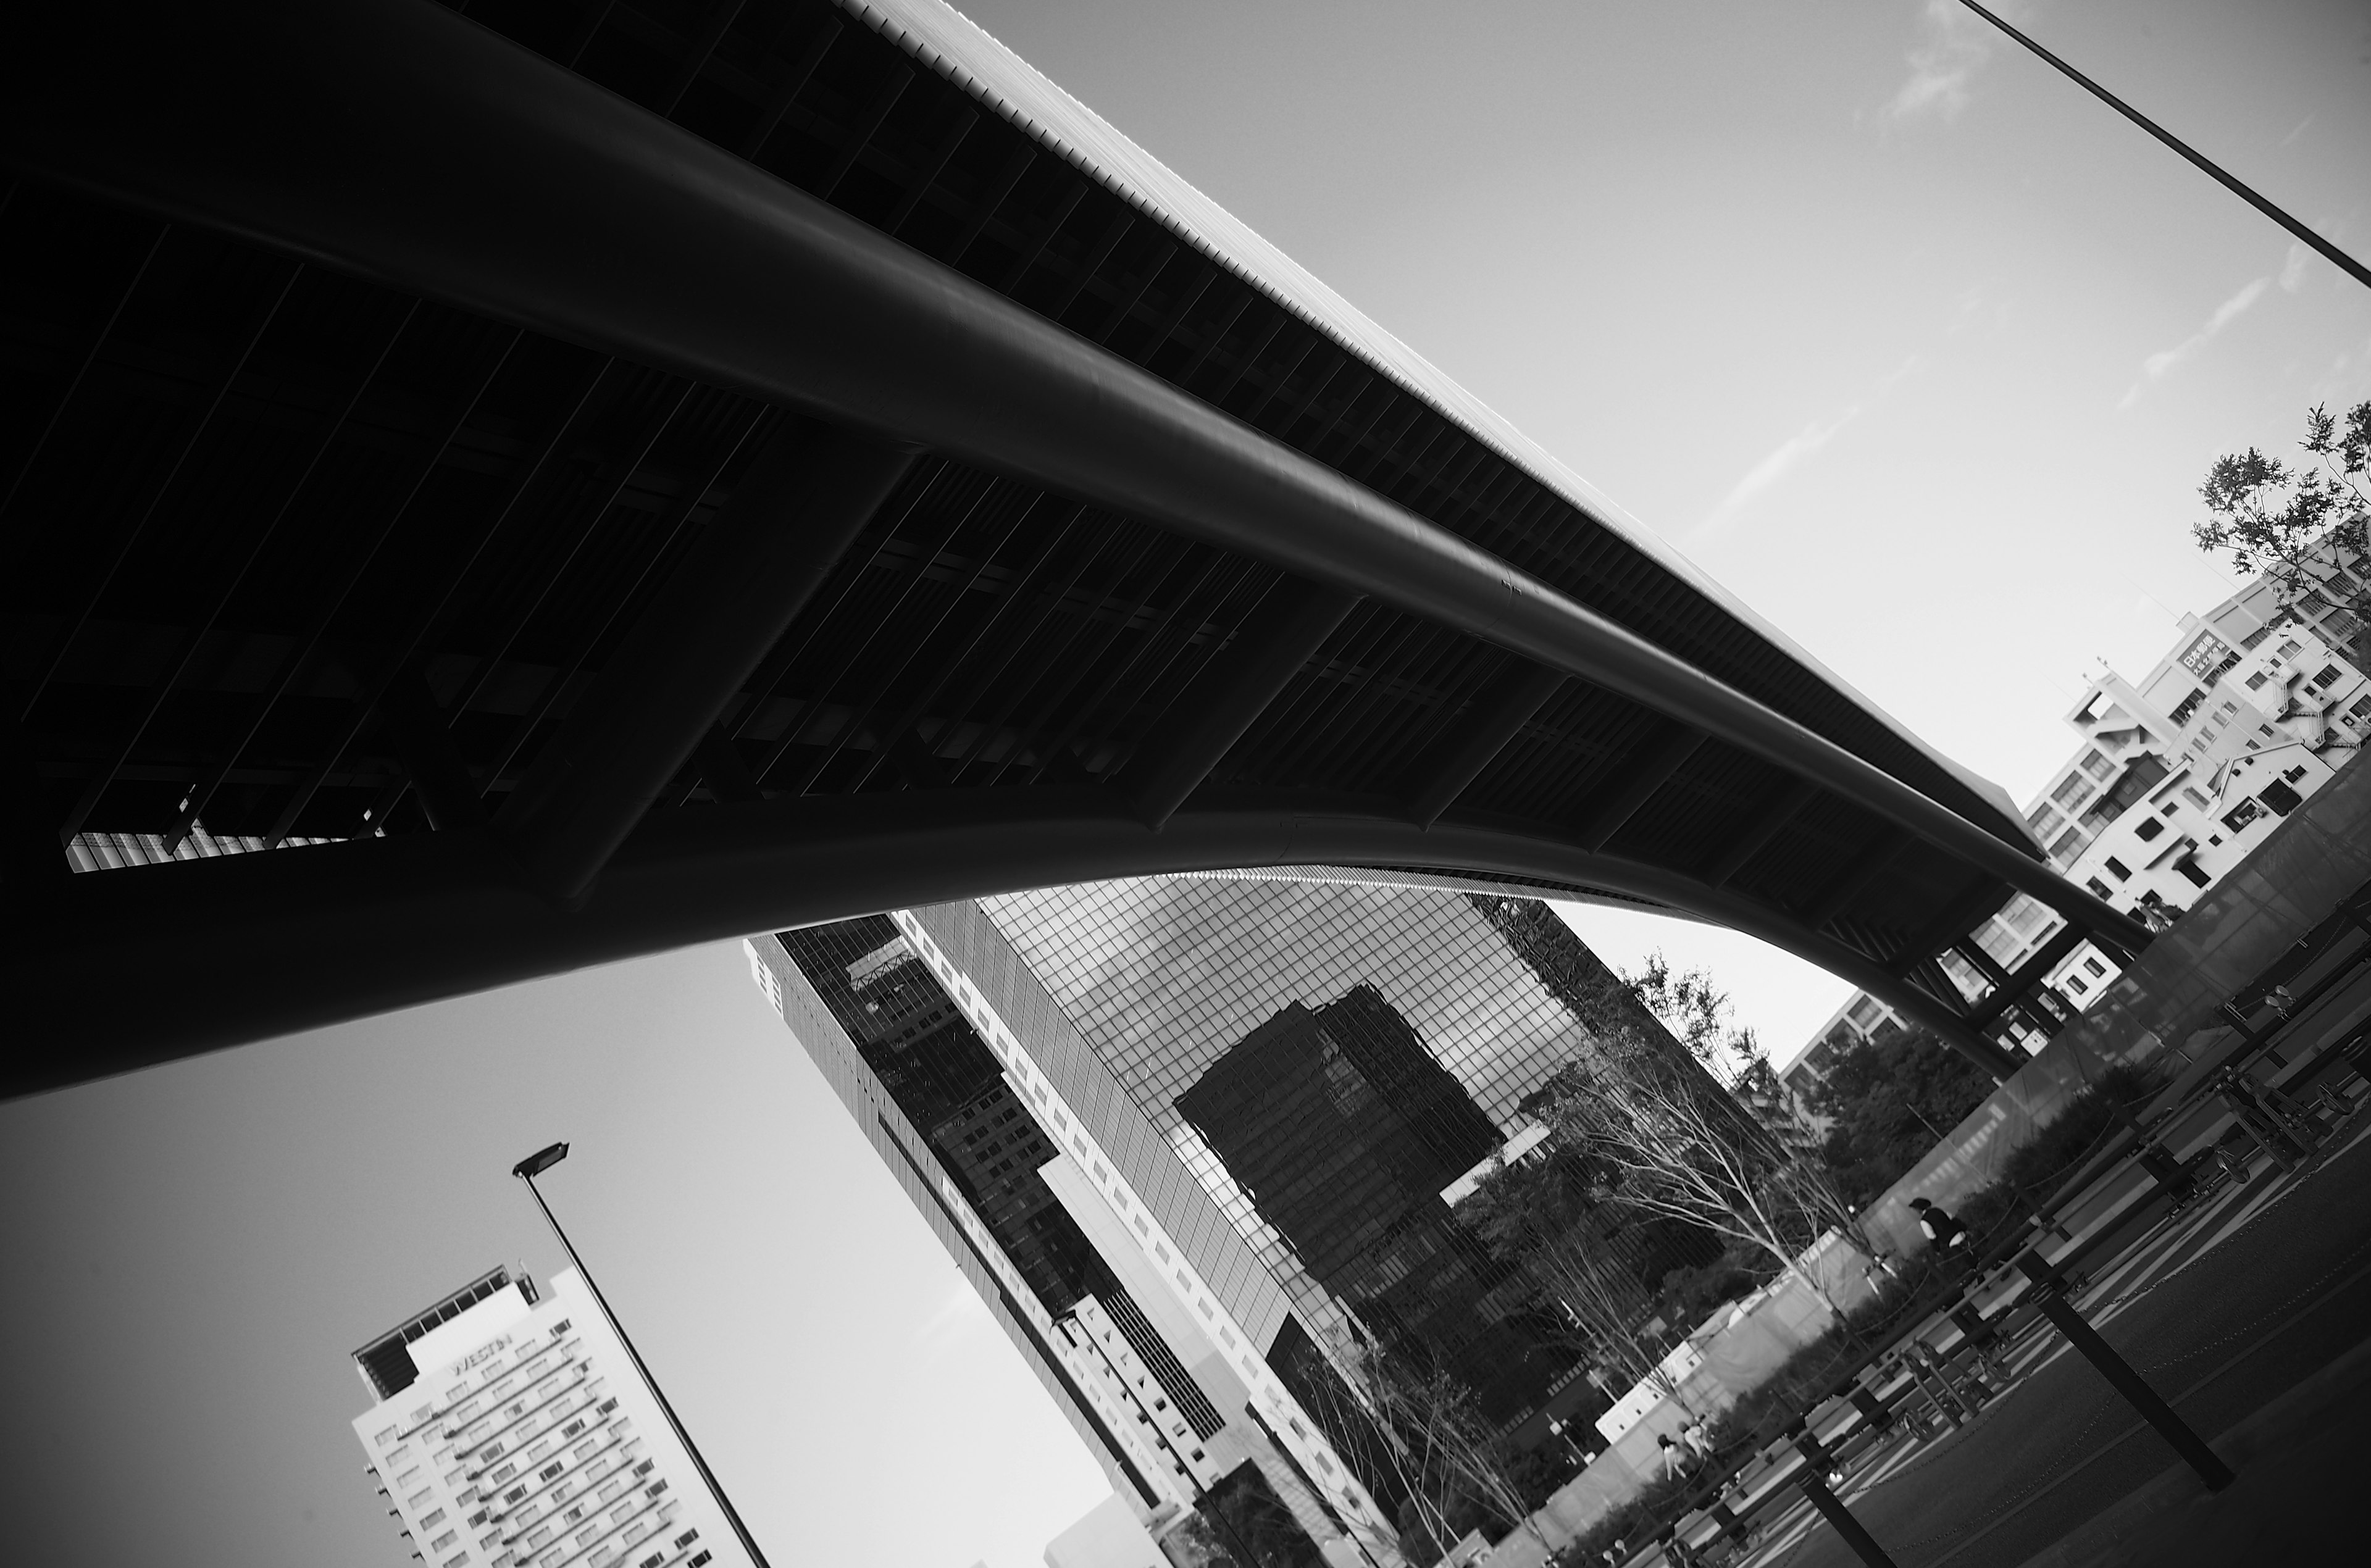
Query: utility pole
2345, 263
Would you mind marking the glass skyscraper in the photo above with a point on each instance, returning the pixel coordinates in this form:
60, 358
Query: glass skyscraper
1223, 1118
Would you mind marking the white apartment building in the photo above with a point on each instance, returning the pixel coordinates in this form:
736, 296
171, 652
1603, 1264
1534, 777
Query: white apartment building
510, 1432
2176, 779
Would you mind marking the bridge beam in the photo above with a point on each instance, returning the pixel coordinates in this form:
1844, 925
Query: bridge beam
398, 141
2029, 974
269, 943
721, 610
1230, 693
1486, 731
1642, 775
1756, 838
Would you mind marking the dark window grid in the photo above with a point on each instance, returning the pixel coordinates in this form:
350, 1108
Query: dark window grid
1344, 406
545, 1410
1071, 663
1365, 401
1266, 390
1388, 691
1349, 659
589, 498
1451, 477
1402, 418
230, 560
590, 1472
1452, 895
1242, 364
1414, 477
1217, 578
1567, 751
1469, 678
915, 589
979, 667
625, 606
856, 574
1234, 302
1003, 522
1055, 593
1060, 620
1159, 1187
1383, 671
1502, 497
429, 608
1378, 740
565, 1353
1284, 407
1173, 684
1159, 252
1719, 795
1239, 1217
273, 282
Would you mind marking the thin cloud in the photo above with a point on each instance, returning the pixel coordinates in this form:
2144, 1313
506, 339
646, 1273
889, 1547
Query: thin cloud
1953, 47
2162, 363
2293, 269
959, 1313
1788, 456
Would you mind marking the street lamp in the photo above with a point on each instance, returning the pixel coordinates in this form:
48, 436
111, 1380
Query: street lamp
526, 1170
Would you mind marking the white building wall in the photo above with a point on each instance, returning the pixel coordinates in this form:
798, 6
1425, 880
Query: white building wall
1108, 1537
2176, 779
529, 1441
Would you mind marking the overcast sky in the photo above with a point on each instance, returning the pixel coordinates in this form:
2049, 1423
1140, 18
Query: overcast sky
1917, 350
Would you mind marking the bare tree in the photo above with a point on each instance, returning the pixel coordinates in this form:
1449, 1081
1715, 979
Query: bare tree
2302, 525
1542, 1214
1349, 1399
1429, 1432
1688, 1150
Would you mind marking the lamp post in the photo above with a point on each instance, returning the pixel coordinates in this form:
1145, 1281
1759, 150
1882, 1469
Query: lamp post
526, 1170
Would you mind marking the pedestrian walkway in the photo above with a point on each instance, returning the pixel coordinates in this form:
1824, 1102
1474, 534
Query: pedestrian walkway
2261, 1295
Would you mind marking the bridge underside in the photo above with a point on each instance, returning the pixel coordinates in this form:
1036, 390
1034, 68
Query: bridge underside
551, 515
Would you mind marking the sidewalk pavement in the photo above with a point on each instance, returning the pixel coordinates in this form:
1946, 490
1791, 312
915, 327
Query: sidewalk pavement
2299, 1459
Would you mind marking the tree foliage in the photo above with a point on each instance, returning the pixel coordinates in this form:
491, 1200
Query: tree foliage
2297, 523
1892, 1100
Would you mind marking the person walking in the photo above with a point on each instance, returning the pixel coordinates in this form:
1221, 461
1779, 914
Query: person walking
1675, 1458
1694, 1436
1937, 1224
1945, 1232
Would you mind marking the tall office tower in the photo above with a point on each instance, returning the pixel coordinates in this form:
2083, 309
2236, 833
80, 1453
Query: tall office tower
1192, 1135
510, 1432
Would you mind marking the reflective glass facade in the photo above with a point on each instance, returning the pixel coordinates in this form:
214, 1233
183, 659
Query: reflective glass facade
1324, 1058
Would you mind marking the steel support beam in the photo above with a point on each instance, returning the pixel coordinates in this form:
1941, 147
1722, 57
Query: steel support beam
1756, 838
1855, 878
1227, 697
724, 770
267, 944
33, 862
1641, 777
721, 610
2029, 974
1451, 767
1947, 928
398, 141
423, 743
